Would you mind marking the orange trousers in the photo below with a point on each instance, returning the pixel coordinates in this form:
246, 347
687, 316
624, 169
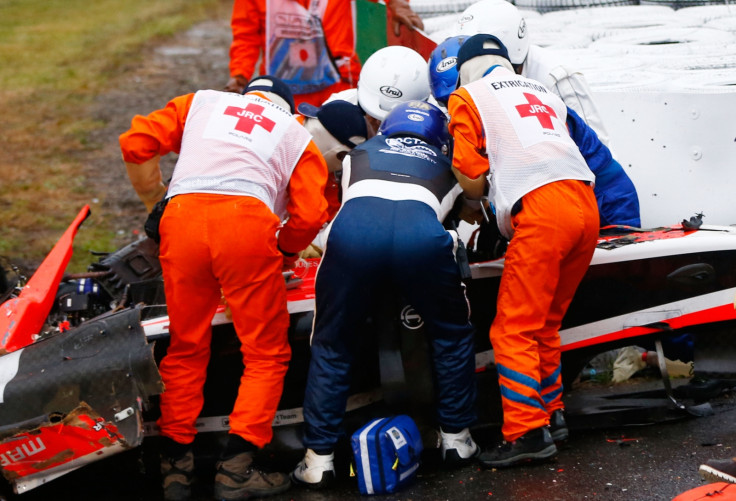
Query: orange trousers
555, 235
211, 243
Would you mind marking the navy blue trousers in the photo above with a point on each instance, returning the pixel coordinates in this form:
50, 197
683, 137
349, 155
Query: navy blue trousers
376, 247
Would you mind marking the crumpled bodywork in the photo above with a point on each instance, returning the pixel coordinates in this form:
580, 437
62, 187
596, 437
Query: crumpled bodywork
21, 318
74, 397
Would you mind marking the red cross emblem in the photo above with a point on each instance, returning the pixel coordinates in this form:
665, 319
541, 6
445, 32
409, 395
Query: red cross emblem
249, 117
536, 109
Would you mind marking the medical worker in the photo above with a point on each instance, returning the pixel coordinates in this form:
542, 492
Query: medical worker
618, 202
511, 143
245, 164
397, 188
310, 44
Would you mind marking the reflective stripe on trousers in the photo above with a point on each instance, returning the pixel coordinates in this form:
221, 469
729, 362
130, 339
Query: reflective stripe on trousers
554, 238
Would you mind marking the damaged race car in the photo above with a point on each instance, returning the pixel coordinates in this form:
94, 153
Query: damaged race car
79, 380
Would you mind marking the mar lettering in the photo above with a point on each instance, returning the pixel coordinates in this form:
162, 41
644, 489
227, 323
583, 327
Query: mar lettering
535, 108
23, 451
249, 117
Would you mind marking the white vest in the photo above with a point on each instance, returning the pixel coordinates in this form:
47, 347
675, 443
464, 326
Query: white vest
527, 140
297, 51
239, 145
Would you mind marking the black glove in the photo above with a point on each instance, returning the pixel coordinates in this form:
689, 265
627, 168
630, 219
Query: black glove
154, 220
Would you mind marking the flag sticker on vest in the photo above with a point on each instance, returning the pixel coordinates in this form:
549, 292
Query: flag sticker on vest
302, 55
249, 121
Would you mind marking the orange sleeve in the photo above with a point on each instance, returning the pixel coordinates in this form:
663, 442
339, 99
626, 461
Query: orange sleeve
158, 133
469, 142
332, 187
340, 37
248, 25
307, 206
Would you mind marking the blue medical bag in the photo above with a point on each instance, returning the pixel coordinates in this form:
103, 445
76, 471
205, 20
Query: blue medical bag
386, 453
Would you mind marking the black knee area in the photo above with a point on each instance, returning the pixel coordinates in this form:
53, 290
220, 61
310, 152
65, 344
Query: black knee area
237, 445
173, 449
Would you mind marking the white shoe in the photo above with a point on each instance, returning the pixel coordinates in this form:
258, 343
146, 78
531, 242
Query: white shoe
458, 448
315, 470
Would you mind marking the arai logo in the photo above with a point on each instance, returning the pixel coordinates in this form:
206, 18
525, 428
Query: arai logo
465, 19
415, 118
389, 91
446, 64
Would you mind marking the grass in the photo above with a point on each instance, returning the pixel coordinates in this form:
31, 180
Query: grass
55, 57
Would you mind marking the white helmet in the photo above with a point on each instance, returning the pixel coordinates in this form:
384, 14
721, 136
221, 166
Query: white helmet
390, 76
500, 19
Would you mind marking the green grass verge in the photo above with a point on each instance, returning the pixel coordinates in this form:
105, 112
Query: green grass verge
55, 57
69, 44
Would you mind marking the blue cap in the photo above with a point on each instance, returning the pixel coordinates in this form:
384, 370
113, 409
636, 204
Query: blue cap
473, 47
342, 119
271, 84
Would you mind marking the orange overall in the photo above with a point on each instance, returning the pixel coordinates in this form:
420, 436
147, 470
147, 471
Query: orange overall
554, 236
332, 188
248, 24
217, 242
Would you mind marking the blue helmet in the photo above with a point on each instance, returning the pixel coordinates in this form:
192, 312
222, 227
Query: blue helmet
443, 68
418, 119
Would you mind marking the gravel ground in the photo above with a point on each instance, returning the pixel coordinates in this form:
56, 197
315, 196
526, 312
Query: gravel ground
633, 463
193, 60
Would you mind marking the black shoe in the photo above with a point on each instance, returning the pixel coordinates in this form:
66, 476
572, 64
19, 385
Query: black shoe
558, 426
177, 476
532, 446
